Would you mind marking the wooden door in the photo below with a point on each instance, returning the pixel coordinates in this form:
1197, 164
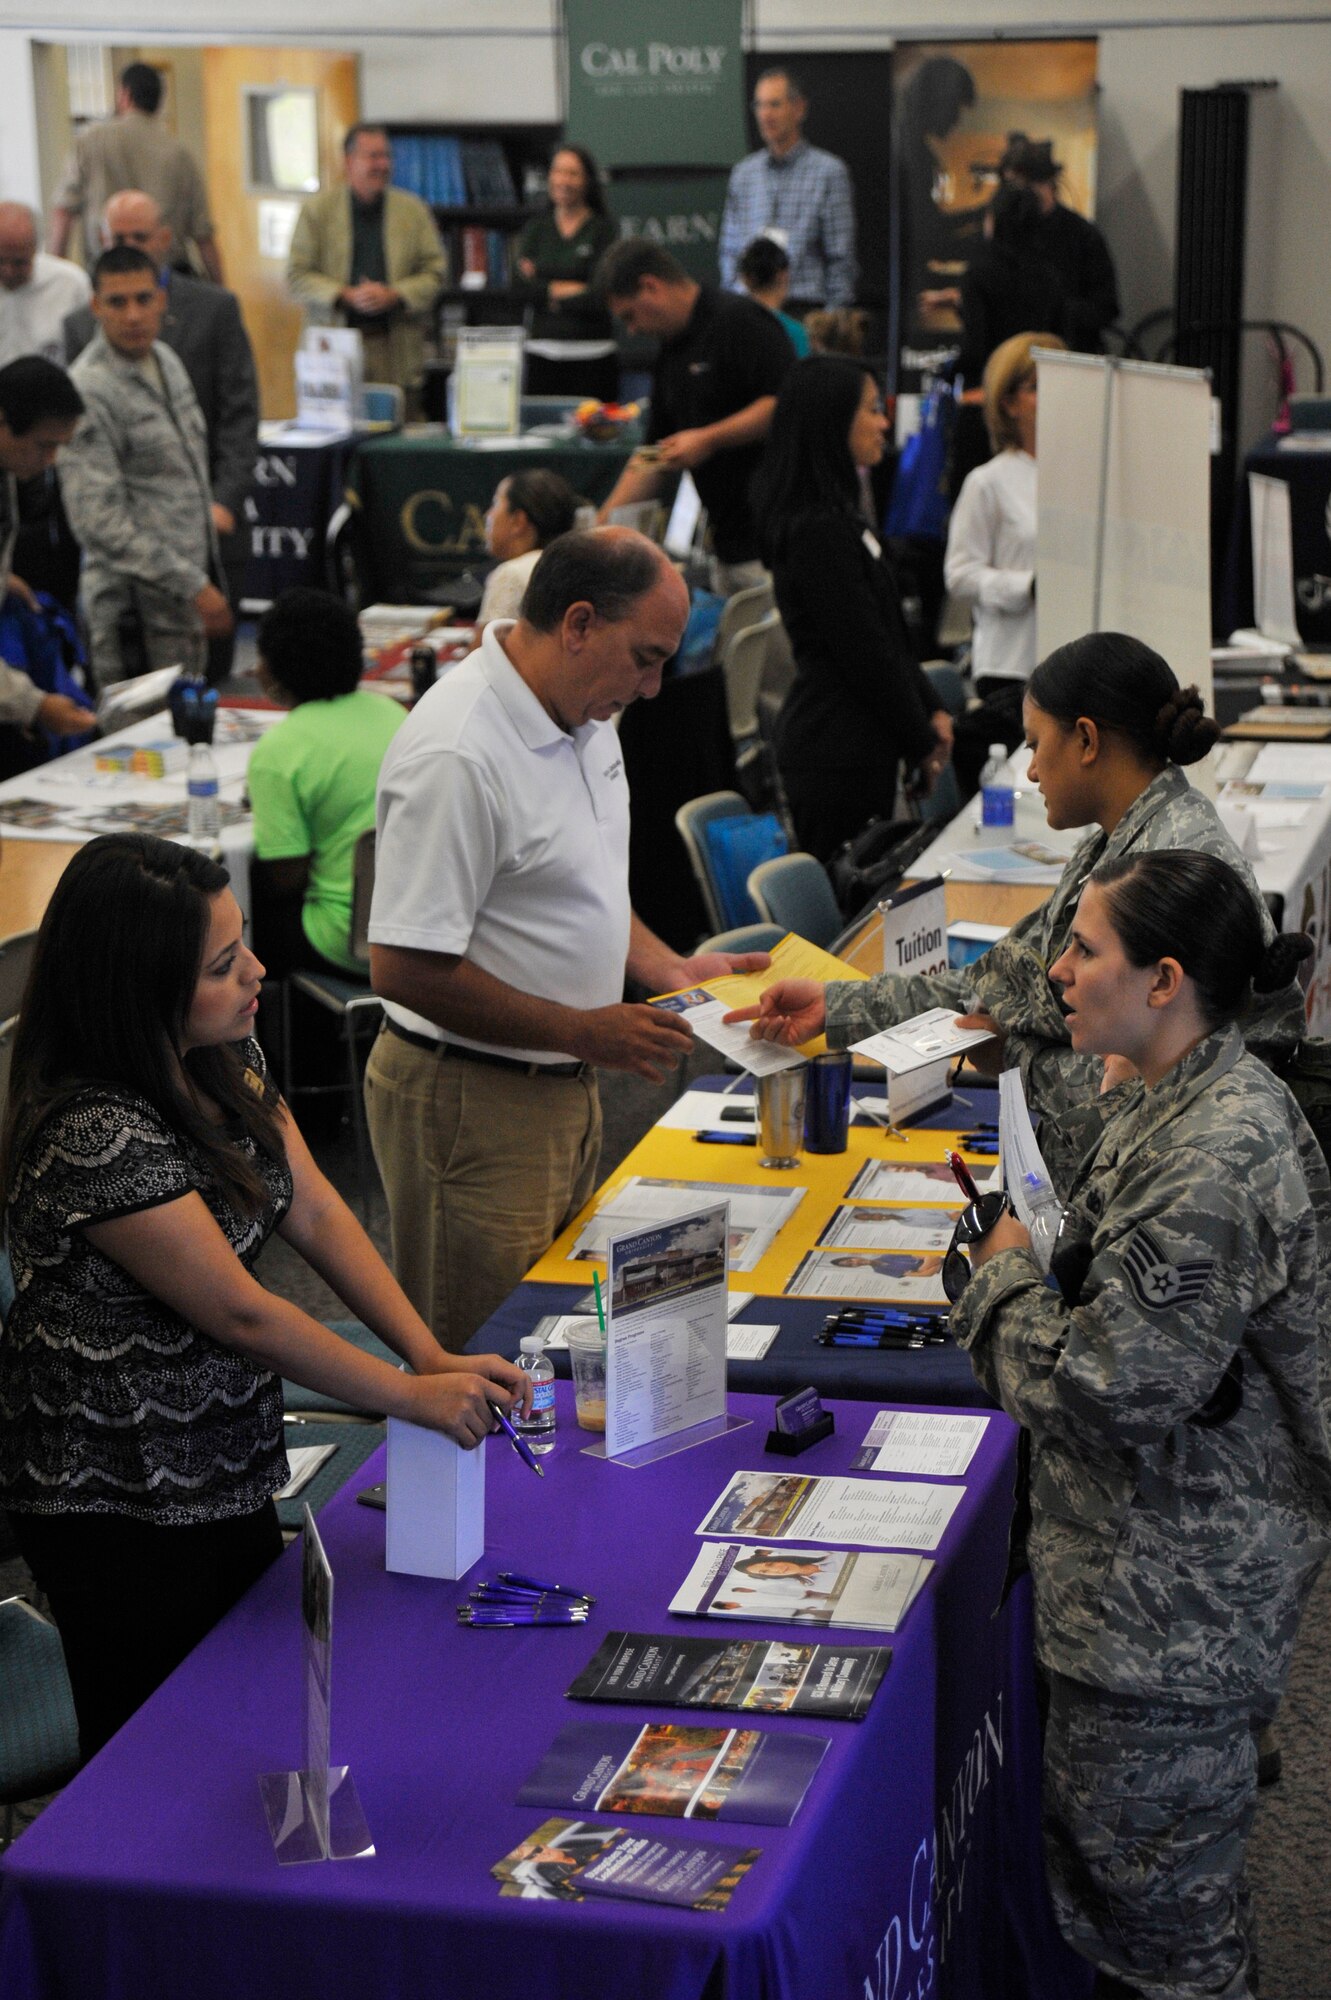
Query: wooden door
252, 222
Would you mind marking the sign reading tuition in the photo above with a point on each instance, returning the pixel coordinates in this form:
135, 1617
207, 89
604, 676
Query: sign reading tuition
656, 82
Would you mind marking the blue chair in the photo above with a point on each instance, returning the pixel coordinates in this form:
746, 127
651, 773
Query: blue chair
794, 892
692, 821
39, 1733
748, 937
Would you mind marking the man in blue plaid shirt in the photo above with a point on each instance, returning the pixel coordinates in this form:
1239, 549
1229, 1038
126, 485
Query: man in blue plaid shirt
795, 193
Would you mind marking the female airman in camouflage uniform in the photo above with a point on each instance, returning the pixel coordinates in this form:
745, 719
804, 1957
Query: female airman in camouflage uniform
1180, 1468
1109, 728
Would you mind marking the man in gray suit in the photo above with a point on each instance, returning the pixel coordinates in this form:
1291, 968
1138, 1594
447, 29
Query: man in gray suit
203, 326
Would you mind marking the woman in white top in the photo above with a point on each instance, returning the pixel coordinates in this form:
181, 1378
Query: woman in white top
990, 560
528, 511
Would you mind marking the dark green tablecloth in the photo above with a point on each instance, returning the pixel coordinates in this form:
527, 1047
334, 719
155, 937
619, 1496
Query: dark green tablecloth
424, 497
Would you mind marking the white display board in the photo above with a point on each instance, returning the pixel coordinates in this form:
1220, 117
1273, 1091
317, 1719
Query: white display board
1124, 507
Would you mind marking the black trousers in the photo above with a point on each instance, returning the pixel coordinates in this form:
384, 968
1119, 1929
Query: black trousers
130, 1599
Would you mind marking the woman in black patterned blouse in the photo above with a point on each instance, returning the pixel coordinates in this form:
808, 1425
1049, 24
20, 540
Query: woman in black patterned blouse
147, 1157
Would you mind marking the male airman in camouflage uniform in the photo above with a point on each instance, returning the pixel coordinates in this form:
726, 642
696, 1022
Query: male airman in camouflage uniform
1180, 1499
1011, 981
135, 482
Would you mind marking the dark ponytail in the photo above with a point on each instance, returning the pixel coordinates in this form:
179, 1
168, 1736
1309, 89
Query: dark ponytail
1122, 684
1197, 909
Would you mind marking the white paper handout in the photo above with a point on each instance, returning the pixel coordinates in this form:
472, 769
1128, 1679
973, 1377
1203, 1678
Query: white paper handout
887, 1229
756, 1214
743, 1343
906, 1277
1025, 1174
706, 1016
665, 1330
925, 1442
925, 1038
1021, 861
807, 1586
786, 1507
923, 1180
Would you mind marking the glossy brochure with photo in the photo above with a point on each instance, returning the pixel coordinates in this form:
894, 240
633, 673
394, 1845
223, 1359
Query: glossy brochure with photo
564, 1860
773, 1677
829, 1587
677, 1771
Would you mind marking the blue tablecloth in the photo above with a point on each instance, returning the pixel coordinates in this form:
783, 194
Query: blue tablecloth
912, 1867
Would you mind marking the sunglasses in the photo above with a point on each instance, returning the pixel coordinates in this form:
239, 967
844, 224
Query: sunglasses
975, 1221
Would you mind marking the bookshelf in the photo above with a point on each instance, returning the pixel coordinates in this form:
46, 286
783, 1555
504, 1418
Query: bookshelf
483, 182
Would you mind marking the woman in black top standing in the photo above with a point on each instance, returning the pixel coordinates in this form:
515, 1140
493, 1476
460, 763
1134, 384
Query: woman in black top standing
147, 1159
860, 708
571, 348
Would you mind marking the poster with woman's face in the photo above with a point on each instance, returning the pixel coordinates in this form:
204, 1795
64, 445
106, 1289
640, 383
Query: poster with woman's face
956, 106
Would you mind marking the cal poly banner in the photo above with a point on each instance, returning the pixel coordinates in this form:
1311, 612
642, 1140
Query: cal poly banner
681, 212
656, 82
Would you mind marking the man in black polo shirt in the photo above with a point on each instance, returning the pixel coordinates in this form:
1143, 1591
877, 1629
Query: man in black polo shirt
722, 361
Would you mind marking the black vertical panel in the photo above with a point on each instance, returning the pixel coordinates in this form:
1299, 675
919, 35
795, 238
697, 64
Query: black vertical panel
1209, 264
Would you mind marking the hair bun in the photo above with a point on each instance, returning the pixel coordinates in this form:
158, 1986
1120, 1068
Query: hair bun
1281, 960
1184, 732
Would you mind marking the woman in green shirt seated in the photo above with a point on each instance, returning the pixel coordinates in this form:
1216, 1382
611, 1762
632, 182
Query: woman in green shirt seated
571, 347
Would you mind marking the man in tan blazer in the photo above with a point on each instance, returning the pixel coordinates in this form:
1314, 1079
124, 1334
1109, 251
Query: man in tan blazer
368, 256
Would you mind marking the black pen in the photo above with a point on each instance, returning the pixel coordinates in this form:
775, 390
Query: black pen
521, 1582
519, 1444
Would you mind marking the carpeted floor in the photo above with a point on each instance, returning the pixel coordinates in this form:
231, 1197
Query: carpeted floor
1290, 1854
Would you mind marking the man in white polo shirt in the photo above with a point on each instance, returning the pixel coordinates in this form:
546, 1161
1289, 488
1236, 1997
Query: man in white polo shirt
501, 931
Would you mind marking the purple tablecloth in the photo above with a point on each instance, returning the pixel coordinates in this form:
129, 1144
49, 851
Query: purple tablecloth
911, 1869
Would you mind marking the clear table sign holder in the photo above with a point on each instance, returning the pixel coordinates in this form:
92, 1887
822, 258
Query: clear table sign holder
314, 1814
666, 1339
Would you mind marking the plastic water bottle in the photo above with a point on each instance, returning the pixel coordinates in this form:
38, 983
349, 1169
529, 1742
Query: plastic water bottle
539, 1427
205, 817
996, 795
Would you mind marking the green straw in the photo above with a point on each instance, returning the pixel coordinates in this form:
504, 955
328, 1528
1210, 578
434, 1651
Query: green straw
600, 1309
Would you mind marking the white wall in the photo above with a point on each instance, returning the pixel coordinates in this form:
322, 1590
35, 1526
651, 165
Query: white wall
446, 59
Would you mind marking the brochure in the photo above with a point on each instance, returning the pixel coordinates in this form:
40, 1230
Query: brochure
705, 1005
778, 1676
926, 1038
935, 1444
831, 1587
756, 1214
923, 1180
888, 1229
564, 1860
784, 1507
676, 1771
906, 1277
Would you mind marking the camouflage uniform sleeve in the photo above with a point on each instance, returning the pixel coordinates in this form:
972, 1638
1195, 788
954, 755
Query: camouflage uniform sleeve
1178, 1268
860, 1007
106, 523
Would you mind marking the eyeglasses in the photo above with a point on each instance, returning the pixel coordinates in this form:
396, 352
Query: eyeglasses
975, 1221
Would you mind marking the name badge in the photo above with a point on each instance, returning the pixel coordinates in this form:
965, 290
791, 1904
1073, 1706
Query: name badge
872, 544
778, 236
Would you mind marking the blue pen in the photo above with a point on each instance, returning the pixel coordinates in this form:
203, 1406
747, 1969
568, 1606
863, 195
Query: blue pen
534, 1583
519, 1444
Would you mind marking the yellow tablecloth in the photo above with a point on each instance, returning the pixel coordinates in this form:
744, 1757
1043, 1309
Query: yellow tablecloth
676, 1156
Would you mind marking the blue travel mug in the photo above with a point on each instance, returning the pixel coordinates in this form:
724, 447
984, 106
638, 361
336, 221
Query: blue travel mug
827, 1102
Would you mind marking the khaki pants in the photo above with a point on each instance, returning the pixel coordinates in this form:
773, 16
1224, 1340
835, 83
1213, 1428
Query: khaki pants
482, 1168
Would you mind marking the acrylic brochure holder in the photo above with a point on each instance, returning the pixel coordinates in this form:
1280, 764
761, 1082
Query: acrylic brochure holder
314, 1814
666, 1339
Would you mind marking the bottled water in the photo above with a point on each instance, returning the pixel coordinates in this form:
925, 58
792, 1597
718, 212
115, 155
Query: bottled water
996, 796
205, 818
538, 1428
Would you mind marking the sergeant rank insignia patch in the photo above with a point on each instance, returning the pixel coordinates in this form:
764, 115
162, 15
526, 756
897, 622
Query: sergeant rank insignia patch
1156, 1283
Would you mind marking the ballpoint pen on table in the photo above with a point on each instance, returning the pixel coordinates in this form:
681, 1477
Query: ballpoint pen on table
519, 1444
521, 1582
894, 1316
